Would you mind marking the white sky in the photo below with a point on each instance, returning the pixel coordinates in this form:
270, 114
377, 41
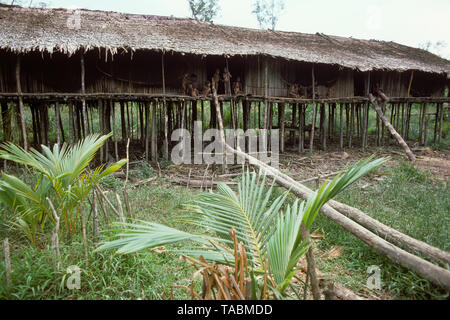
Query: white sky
409, 22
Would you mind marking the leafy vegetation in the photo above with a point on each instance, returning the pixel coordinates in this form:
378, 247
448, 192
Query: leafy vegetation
62, 177
408, 200
272, 238
204, 10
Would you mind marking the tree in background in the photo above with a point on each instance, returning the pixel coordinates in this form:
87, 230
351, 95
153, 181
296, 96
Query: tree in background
434, 47
23, 3
204, 10
267, 12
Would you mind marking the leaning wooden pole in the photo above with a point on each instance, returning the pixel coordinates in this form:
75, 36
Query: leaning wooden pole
21, 109
391, 128
435, 274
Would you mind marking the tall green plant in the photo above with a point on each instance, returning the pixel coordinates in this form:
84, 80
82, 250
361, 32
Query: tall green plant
63, 176
269, 230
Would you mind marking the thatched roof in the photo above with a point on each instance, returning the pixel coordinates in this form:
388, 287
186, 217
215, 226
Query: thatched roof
23, 30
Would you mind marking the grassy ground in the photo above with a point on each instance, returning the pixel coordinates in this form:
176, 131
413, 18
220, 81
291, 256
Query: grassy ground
408, 200
145, 275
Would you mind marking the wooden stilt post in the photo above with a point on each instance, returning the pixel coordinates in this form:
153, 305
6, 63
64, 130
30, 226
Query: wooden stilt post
122, 121
46, 124
166, 120
408, 119
21, 108
281, 108
323, 133
34, 121
57, 116
116, 149
341, 129
71, 123
352, 122
6, 121
147, 117
366, 116
422, 124
404, 115
266, 103
154, 146
436, 122
294, 115
301, 128
83, 91
101, 123
441, 120
311, 138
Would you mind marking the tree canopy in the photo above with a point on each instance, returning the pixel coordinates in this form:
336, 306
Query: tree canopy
204, 10
267, 12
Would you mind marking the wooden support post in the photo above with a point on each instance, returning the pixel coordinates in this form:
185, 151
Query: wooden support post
311, 138
441, 120
301, 128
281, 126
21, 108
45, 124
102, 129
294, 112
58, 123
71, 124
6, 121
154, 147
436, 122
352, 122
266, 104
83, 100
166, 120
408, 119
404, 114
122, 121
366, 116
391, 129
116, 149
341, 129
423, 124
245, 115
323, 133
34, 122
147, 118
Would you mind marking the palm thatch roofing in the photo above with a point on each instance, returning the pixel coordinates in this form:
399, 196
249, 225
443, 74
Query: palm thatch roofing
51, 30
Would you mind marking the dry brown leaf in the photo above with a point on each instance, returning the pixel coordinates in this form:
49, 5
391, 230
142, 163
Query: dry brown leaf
317, 235
335, 252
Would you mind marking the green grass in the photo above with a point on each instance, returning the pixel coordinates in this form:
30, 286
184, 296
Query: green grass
408, 200
147, 274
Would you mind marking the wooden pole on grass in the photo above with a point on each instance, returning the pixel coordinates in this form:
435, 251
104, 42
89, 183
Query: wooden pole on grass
7, 262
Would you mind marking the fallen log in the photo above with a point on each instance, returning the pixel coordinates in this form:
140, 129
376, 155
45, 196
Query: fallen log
392, 235
200, 183
335, 291
427, 270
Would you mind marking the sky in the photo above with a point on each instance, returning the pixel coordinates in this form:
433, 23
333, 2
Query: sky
409, 22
